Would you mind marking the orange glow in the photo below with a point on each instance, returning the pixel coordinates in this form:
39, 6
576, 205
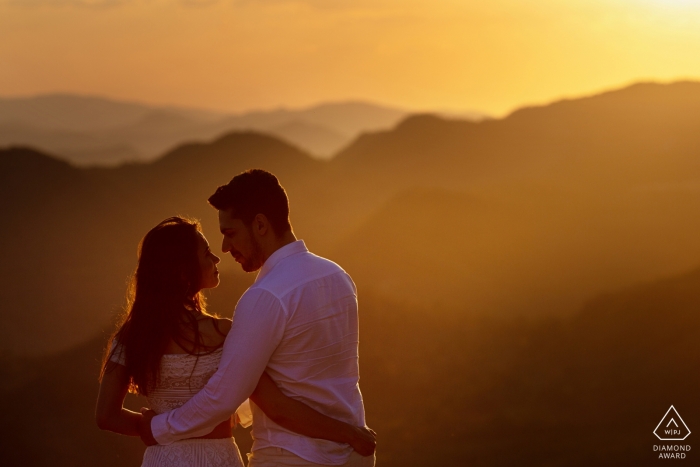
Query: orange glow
233, 55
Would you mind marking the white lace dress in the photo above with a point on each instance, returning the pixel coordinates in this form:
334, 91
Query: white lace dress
178, 383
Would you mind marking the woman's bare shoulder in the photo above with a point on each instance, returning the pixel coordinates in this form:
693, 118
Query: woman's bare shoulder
214, 330
224, 324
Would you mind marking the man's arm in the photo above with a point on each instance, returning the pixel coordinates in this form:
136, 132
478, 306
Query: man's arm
258, 327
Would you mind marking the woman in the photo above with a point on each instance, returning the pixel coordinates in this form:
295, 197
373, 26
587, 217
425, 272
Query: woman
168, 347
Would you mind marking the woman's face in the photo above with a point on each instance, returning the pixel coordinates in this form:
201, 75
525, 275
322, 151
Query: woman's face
207, 263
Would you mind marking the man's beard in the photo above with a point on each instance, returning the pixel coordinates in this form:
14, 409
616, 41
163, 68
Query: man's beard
255, 262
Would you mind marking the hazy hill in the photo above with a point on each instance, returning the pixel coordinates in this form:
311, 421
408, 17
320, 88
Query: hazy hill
69, 112
95, 130
81, 148
350, 118
446, 389
92, 130
158, 122
353, 117
319, 140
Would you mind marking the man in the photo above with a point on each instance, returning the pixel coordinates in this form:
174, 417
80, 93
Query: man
298, 322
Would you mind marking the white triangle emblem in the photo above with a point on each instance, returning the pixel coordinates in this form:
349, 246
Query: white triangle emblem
672, 427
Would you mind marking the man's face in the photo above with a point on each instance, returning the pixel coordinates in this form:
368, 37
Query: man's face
240, 241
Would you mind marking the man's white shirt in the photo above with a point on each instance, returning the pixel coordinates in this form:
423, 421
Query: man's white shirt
298, 322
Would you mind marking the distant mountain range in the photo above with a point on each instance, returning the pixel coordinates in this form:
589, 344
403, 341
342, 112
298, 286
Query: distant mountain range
527, 215
92, 130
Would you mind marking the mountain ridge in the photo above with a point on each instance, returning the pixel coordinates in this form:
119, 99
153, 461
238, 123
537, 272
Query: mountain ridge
541, 222
88, 133
574, 137
86, 129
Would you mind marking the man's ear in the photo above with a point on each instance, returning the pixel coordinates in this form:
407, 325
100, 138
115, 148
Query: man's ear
261, 225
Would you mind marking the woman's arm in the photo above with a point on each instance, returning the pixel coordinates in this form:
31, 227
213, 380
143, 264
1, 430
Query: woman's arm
300, 418
110, 415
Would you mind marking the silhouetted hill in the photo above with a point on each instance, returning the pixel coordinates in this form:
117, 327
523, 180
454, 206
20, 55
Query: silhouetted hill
57, 396
242, 148
17, 163
643, 134
512, 249
28, 178
588, 390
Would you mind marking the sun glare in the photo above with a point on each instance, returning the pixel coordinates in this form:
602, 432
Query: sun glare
676, 3
673, 7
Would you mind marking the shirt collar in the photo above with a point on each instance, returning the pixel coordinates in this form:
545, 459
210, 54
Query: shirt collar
281, 253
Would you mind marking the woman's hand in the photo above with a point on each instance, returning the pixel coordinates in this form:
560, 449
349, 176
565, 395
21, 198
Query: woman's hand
145, 427
363, 440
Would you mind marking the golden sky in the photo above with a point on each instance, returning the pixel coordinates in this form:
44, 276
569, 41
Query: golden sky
490, 55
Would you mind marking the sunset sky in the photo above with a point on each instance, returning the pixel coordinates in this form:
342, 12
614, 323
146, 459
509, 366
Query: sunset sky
235, 55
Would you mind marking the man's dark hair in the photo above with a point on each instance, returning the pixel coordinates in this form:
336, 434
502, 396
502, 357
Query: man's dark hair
254, 192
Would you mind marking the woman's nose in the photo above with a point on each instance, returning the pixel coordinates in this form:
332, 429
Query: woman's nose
216, 259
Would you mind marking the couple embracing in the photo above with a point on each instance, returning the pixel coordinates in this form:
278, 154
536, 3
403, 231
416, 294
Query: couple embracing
288, 360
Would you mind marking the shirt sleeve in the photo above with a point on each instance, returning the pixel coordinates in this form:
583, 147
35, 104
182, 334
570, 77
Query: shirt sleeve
258, 326
245, 414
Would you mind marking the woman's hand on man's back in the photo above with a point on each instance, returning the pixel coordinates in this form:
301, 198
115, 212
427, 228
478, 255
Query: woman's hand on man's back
364, 441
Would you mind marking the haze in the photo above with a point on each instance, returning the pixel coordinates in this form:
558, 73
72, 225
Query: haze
235, 55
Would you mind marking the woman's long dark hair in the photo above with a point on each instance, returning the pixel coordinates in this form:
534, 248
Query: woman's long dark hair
164, 302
